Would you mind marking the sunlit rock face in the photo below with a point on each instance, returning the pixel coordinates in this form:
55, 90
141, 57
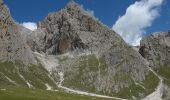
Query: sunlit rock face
156, 49
12, 46
73, 28
103, 63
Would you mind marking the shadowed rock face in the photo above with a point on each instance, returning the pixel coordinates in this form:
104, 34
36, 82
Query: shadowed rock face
12, 46
156, 49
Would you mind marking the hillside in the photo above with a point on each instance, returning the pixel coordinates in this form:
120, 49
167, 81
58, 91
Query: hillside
74, 54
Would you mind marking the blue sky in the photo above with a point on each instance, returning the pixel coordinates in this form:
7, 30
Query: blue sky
108, 11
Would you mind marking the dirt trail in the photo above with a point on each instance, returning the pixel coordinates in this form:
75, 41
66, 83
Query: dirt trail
61, 74
50, 62
157, 94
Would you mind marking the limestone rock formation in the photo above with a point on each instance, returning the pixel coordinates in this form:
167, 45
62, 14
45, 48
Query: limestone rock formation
18, 66
156, 49
102, 62
12, 46
74, 28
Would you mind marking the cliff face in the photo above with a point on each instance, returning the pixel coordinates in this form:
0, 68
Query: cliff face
101, 62
18, 67
156, 49
73, 28
12, 46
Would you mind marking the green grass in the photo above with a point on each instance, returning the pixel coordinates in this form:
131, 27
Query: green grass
150, 83
84, 65
8, 69
14, 93
90, 63
128, 92
4, 81
165, 93
36, 75
164, 72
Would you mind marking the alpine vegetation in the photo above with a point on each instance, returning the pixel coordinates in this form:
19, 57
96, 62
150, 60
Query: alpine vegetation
71, 55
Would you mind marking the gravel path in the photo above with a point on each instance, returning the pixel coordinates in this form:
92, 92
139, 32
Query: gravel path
61, 74
51, 62
157, 94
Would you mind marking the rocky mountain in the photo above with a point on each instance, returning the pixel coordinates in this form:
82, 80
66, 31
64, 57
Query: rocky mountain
12, 45
156, 49
75, 52
18, 65
91, 54
73, 28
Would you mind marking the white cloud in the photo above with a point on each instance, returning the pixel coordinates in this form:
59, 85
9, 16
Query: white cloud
30, 25
140, 15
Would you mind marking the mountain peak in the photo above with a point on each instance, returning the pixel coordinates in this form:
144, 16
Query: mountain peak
73, 6
72, 3
69, 29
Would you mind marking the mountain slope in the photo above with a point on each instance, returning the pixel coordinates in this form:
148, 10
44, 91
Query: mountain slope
14, 93
90, 56
12, 46
72, 51
156, 49
18, 66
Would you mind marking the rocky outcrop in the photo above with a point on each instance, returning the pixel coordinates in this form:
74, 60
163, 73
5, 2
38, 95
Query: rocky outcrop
101, 62
73, 28
36, 40
12, 46
156, 49
18, 67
